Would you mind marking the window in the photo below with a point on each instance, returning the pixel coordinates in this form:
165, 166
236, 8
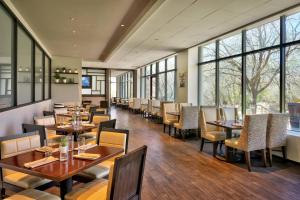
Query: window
47, 77
97, 84
6, 68
266, 35
161, 83
207, 90
208, 52
231, 45
38, 74
231, 82
24, 75
125, 84
113, 84
292, 27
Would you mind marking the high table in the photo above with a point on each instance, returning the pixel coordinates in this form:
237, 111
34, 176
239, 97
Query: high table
229, 126
58, 171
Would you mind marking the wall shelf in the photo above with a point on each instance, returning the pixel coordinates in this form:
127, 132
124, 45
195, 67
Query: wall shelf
65, 73
66, 83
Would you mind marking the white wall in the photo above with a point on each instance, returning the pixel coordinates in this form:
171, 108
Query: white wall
182, 67
192, 76
69, 93
11, 121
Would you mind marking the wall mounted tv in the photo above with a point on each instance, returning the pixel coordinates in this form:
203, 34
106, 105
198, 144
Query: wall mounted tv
86, 81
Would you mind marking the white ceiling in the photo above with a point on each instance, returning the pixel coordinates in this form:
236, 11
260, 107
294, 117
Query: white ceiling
173, 26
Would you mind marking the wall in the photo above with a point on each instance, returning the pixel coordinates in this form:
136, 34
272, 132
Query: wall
182, 68
192, 76
11, 121
67, 93
95, 100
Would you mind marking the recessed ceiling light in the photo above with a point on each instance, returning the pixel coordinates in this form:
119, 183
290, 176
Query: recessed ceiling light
74, 45
72, 19
73, 31
122, 25
156, 39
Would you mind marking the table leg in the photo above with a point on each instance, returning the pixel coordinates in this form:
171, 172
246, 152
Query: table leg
65, 187
228, 150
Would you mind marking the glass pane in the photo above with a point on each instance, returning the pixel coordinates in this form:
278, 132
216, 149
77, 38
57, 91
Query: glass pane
171, 86
153, 68
6, 94
24, 55
148, 87
38, 74
231, 45
148, 68
293, 27
47, 68
262, 82
153, 92
161, 86
231, 82
208, 52
102, 87
143, 88
162, 66
266, 35
292, 74
171, 63
207, 88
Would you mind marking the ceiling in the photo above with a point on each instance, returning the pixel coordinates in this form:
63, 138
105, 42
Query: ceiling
159, 28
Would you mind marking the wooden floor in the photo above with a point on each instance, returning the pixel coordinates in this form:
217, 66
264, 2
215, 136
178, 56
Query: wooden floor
175, 169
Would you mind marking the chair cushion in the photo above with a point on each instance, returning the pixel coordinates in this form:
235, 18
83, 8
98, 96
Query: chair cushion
89, 135
170, 121
31, 194
98, 171
232, 142
95, 190
24, 180
215, 135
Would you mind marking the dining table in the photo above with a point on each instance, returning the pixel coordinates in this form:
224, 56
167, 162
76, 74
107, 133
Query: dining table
229, 126
60, 172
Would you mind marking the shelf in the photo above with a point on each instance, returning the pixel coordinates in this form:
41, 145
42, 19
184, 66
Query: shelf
24, 71
66, 83
65, 73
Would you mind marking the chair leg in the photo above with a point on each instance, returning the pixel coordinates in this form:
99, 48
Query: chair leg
164, 128
170, 129
215, 147
202, 144
2, 193
270, 156
175, 130
263, 151
248, 160
283, 149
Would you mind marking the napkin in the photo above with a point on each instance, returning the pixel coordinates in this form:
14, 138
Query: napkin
45, 149
87, 156
86, 147
63, 126
40, 162
88, 124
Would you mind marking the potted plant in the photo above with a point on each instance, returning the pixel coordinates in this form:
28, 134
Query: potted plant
64, 79
63, 148
57, 78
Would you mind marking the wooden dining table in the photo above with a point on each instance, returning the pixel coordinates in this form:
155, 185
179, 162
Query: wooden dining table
58, 171
229, 126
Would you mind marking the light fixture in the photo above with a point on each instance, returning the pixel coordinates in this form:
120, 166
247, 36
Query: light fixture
122, 25
73, 31
74, 45
72, 19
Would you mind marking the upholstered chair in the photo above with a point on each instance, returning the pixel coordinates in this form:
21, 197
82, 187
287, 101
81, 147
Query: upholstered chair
111, 138
230, 113
155, 108
95, 119
252, 138
180, 105
169, 120
51, 135
144, 106
59, 118
277, 133
128, 167
136, 105
33, 194
189, 119
210, 132
11, 146
130, 103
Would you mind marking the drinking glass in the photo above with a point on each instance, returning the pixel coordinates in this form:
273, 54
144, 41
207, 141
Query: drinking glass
80, 143
71, 142
63, 152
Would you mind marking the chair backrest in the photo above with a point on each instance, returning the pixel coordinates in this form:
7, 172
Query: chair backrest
105, 124
98, 118
168, 107
229, 113
128, 167
136, 103
93, 109
48, 113
39, 129
60, 111
180, 105
104, 104
253, 135
45, 120
277, 130
208, 113
114, 138
189, 117
17, 144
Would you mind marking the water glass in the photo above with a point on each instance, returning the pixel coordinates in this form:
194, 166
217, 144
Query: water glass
80, 143
71, 142
63, 152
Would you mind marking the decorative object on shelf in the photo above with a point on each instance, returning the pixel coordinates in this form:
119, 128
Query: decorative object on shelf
57, 78
57, 70
20, 69
75, 71
41, 69
27, 69
64, 79
63, 70
69, 71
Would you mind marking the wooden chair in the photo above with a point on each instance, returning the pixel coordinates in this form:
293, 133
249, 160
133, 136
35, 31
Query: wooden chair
17, 144
95, 119
125, 180
111, 138
48, 113
277, 133
210, 132
252, 138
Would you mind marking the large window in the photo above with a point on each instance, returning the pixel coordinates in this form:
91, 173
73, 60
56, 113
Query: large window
256, 69
160, 84
125, 85
18, 84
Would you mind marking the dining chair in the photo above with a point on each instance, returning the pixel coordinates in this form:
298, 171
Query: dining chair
95, 119
277, 133
180, 105
111, 138
130, 104
230, 113
252, 138
33, 194
209, 132
124, 183
48, 113
13, 145
51, 135
188, 120
155, 108
136, 105
144, 106
169, 120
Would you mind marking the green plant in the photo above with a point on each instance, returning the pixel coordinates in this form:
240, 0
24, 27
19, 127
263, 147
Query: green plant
64, 141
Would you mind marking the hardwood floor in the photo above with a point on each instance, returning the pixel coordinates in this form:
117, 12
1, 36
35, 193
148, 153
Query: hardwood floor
175, 169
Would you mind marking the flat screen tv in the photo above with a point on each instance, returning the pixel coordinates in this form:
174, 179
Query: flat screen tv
86, 81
